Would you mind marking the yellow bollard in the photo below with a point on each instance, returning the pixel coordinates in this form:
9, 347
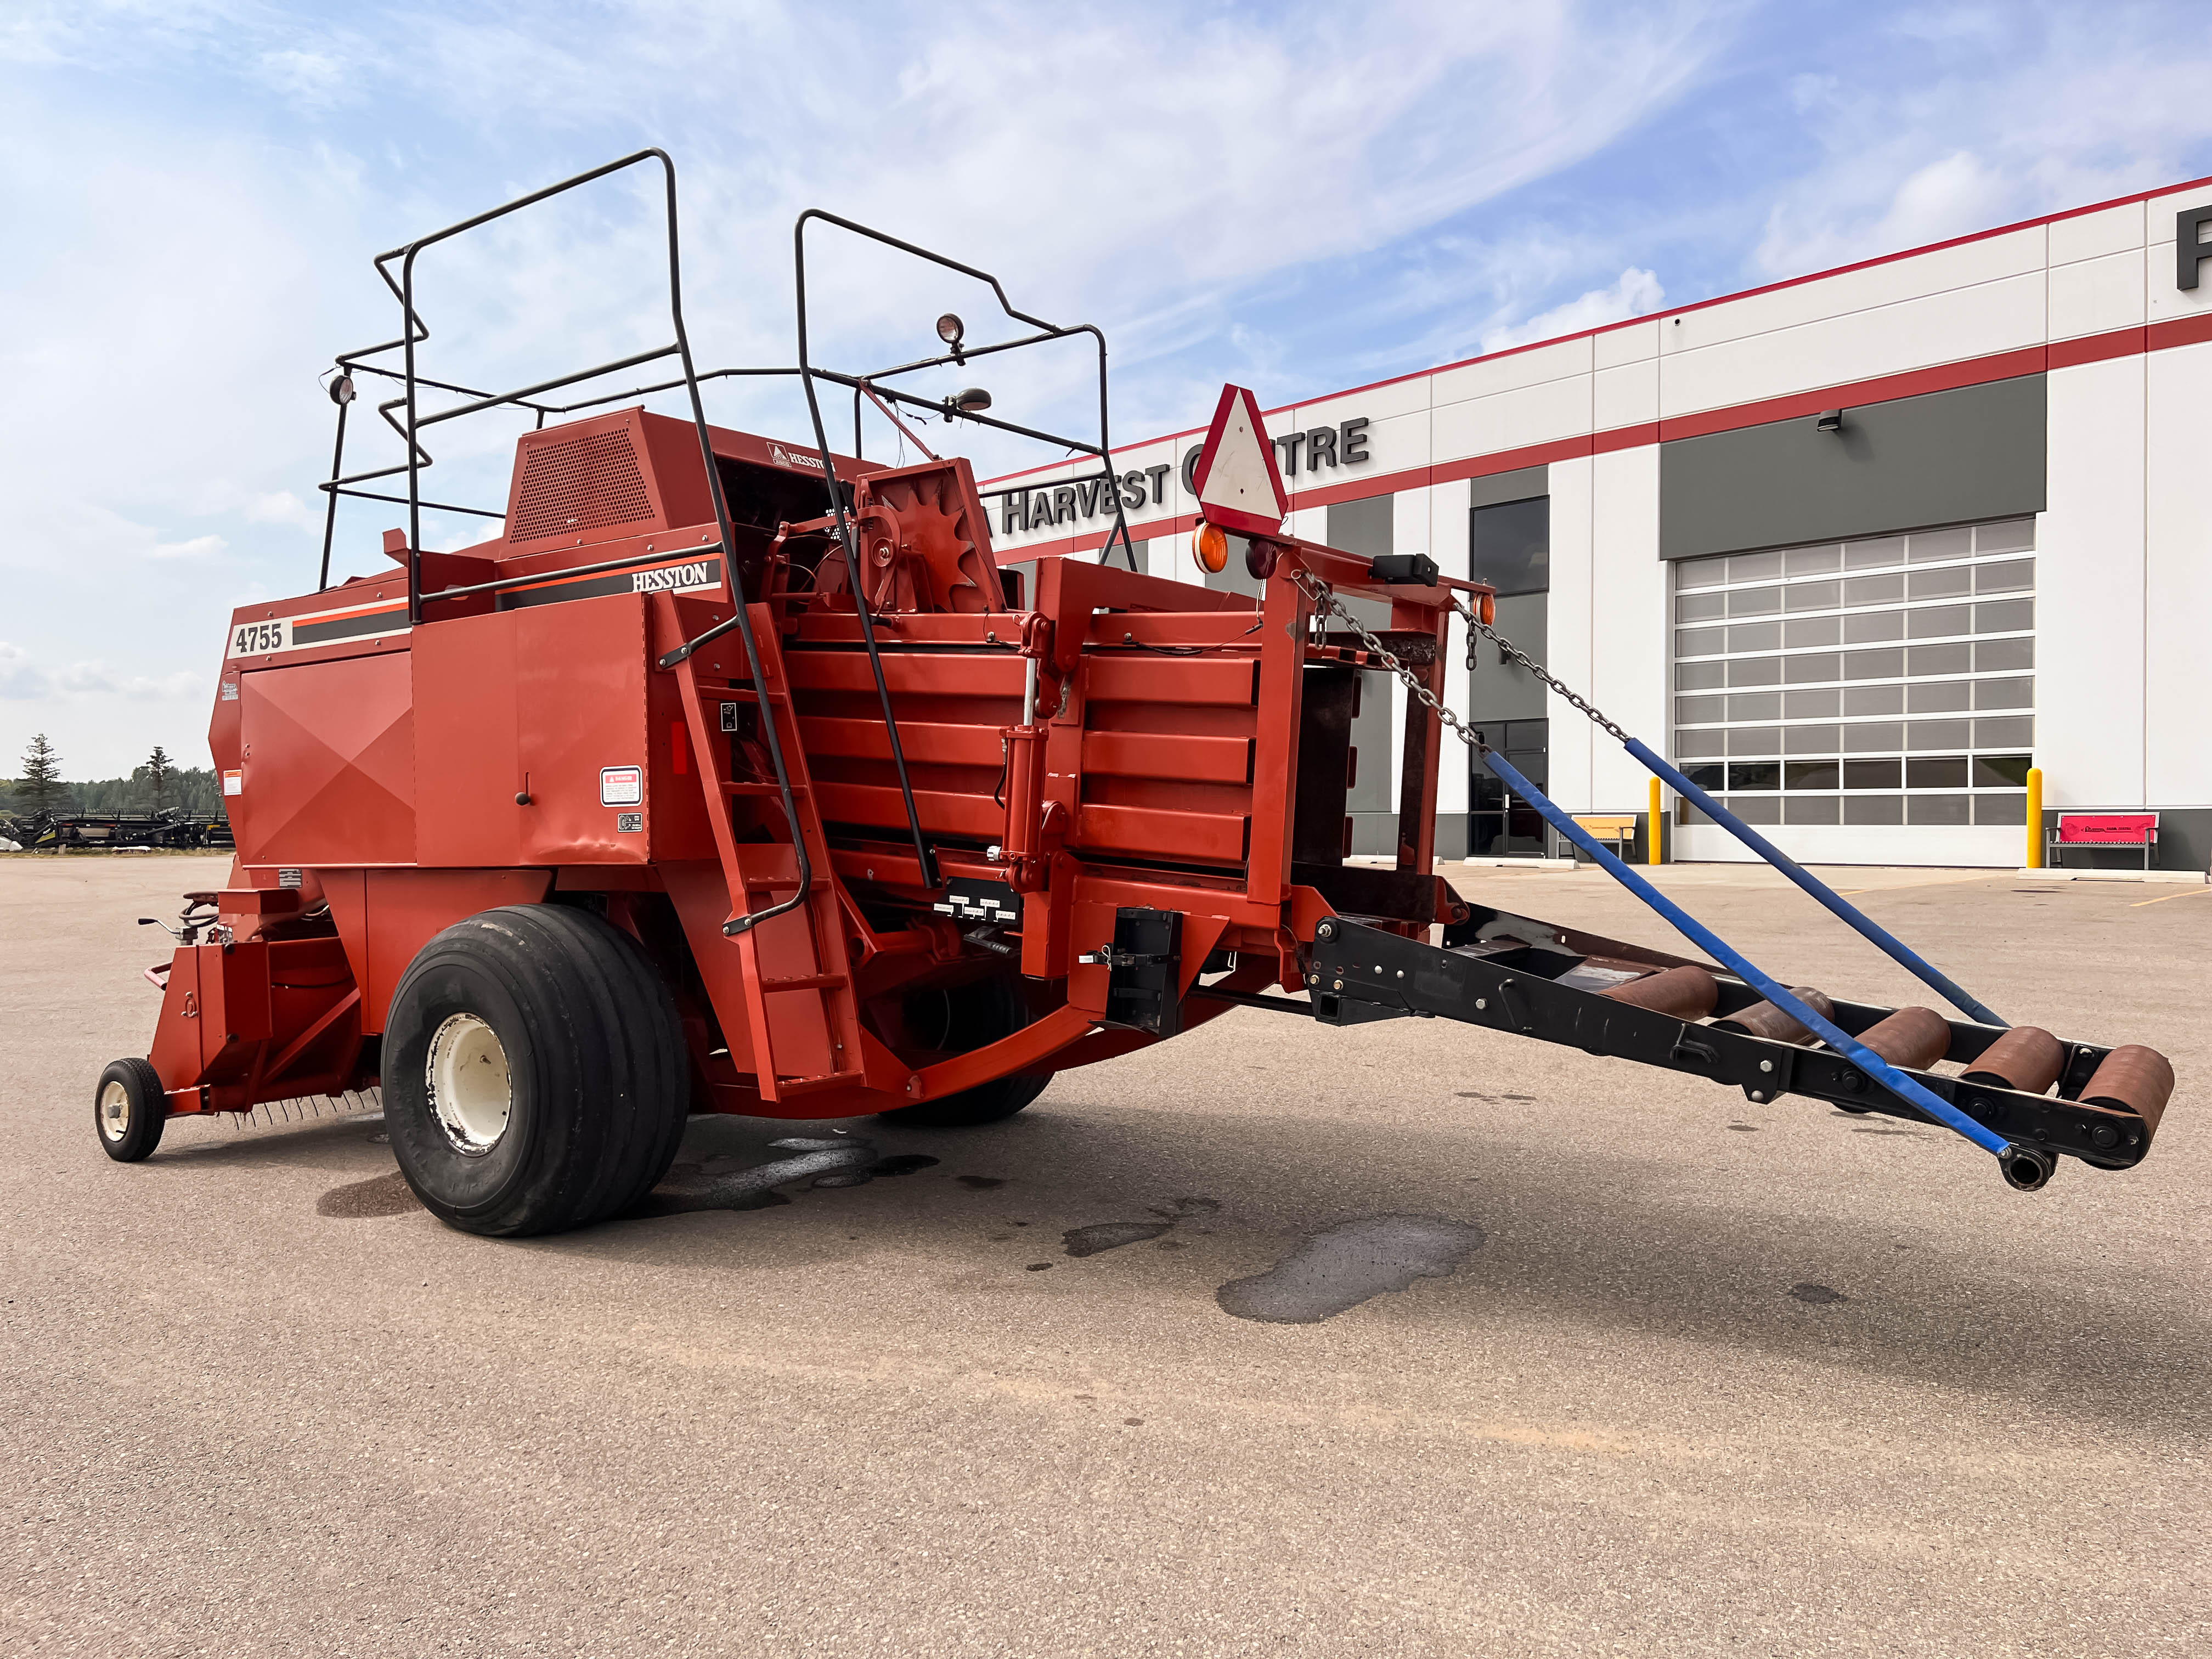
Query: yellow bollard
1654, 834
2035, 817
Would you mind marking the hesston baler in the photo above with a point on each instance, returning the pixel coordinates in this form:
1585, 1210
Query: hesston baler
738, 777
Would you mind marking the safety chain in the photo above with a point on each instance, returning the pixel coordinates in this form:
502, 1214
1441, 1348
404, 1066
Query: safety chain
1324, 599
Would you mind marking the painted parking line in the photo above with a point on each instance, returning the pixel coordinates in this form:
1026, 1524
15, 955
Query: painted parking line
2194, 892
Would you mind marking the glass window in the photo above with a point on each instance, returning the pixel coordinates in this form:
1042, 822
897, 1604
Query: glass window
2001, 809
1873, 625
2003, 653
1945, 583
1873, 775
2015, 536
1812, 809
1713, 741
1811, 630
1936, 734
1863, 555
2016, 733
1942, 544
1874, 590
2007, 578
1812, 561
1755, 740
1874, 700
1685, 813
1936, 809
1938, 621
2000, 771
1937, 697
1939, 660
1814, 667
1700, 572
1696, 711
1755, 706
1708, 778
1813, 596
1873, 737
1755, 671
1510, 545
1811, 740
1754, 567
1700, 676
1701, 641
1756, 809
1754, 774
1810, 705
1755, 636
1700, 607
1873, 664
1754, 601
2005, 617
1874, 809
2004, 694
1813, 775
1936, 772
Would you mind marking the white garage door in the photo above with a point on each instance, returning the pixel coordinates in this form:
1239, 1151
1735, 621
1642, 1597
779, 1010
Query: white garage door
1872, 700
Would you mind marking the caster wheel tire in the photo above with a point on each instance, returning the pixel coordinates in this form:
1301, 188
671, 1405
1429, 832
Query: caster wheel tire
127, 1109
535, 1075
976, 1015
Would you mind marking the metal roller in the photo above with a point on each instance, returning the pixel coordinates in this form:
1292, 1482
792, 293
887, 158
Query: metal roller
1913, 1038
2026, 1058
2135, 1080
1763, 1020
1686, 993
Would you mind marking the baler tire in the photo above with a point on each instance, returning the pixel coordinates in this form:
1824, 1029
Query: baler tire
145, 1108
1000, 1015
598, 1080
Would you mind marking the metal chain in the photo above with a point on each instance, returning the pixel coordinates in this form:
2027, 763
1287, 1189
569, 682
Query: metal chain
1323, 599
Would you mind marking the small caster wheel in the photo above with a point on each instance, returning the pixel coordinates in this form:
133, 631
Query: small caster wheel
127, 1109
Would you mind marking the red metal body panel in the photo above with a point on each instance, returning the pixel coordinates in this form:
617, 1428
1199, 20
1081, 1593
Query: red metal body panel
1125, 742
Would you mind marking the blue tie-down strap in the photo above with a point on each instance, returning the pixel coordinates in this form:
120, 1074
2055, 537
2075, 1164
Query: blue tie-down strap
1898, 950
1904, 1088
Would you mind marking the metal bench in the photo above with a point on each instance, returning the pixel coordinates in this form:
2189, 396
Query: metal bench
1618, 828
2104, 830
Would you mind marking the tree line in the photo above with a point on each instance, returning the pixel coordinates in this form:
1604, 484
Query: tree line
155, 784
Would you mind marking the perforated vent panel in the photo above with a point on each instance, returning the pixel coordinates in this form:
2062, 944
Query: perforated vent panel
583, 484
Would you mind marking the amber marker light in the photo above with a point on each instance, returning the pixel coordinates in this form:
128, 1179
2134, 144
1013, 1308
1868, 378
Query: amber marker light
1209, 546
1485, 606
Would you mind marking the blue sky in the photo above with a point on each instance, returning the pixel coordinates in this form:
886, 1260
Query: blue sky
1297, 197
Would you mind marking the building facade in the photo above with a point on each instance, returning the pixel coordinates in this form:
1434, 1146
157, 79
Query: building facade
1860, 547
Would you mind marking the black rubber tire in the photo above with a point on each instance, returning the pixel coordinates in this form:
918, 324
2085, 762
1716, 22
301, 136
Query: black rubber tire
146, 1106
599, 1082
981, 1013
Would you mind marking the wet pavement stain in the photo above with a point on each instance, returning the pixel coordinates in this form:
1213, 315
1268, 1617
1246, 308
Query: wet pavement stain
384, 1194
1346, 1265
724, 1183
1745, 1128
980, 1184
1038, 1266
1476, 1094
1110, 1236
1819, 1295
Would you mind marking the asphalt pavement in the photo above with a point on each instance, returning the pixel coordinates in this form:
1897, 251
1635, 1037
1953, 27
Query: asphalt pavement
1407, 1338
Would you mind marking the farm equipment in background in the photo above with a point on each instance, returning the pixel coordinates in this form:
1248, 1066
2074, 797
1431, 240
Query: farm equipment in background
172, 830
736, 776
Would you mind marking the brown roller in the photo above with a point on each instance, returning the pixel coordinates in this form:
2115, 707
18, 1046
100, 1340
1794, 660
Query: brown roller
2025, 1058
1914, 1038
2134, 1079
1685, 993
1763, 1020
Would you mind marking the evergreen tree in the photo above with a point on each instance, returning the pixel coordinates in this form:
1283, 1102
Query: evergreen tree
157, 769
41, 788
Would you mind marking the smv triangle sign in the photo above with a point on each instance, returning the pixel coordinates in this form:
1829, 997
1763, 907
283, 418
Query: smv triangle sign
1238, 485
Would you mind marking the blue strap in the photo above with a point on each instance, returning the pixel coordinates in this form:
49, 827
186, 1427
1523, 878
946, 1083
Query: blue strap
1904, 1088
1895, 948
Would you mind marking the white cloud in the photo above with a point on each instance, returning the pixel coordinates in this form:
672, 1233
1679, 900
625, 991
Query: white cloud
1634, 292
198, 547
23, 679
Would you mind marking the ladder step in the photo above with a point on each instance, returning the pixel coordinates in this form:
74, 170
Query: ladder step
805, 983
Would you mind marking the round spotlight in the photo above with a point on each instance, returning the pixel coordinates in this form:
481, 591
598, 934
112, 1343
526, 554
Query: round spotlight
949, 329
973, 400
1209, 546
341, 389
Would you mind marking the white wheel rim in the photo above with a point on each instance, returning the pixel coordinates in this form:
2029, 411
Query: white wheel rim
114, 1111
470, 1089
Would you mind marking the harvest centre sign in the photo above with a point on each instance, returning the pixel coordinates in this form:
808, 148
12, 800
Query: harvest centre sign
1079, 501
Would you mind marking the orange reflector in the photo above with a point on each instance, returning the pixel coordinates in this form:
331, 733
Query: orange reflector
1485, 606
1209, 546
